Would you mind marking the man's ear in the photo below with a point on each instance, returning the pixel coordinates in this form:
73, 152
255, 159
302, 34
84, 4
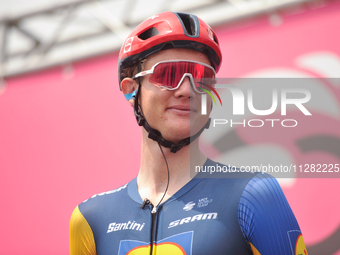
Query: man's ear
129, 87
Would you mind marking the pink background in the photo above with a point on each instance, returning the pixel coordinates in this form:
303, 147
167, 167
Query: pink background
64, 135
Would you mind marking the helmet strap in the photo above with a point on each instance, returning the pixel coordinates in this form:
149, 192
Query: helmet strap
137, 108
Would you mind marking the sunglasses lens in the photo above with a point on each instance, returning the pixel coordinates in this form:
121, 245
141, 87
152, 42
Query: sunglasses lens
169, 74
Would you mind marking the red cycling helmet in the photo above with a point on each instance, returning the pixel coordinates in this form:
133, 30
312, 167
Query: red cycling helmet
169, 30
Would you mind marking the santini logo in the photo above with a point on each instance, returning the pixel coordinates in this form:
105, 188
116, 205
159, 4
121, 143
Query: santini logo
206, 216
122, 226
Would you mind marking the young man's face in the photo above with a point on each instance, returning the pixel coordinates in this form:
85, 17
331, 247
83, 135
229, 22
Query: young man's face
170, 111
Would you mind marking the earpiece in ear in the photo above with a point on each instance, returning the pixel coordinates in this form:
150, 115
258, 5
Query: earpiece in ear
131, 95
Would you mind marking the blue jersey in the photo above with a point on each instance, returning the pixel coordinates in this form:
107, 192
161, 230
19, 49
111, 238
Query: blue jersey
248, 215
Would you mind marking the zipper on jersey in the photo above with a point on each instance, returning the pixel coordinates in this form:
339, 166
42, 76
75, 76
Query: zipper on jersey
153, 226
153, 222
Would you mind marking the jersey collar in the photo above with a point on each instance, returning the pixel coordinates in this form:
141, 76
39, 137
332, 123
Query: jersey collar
132, 188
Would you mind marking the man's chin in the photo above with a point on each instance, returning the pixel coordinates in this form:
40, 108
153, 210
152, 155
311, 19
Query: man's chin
176, 136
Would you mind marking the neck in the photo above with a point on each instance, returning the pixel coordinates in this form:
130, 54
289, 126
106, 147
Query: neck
153, 174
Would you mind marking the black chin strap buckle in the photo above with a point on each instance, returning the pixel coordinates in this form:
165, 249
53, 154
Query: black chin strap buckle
157, 136
176, 147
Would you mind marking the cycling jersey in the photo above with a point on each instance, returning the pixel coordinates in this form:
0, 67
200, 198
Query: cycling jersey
248, 215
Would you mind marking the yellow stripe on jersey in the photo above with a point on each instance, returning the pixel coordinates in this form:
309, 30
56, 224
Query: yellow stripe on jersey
81, 236
254, 250
300, 247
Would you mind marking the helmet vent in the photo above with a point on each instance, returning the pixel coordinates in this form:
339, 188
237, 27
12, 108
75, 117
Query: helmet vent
215, 39
189, 23
149, 33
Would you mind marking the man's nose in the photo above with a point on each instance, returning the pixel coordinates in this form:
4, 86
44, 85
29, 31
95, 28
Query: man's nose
185, 88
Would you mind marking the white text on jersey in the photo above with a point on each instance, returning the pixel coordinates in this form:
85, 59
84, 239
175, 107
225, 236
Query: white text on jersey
122, 226
206, 216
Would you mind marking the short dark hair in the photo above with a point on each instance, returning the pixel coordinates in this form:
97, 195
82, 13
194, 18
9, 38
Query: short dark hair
131, 71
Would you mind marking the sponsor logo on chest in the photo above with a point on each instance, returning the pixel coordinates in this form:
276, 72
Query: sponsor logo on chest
204, 202
198, 217
123, 226
189, 206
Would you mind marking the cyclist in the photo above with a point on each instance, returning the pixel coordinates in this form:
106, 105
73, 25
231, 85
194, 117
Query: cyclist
164, 65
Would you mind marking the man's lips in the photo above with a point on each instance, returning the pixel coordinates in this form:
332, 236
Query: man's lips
182, 108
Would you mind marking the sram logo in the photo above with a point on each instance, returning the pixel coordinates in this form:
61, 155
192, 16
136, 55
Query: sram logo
189, 206
205, 216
